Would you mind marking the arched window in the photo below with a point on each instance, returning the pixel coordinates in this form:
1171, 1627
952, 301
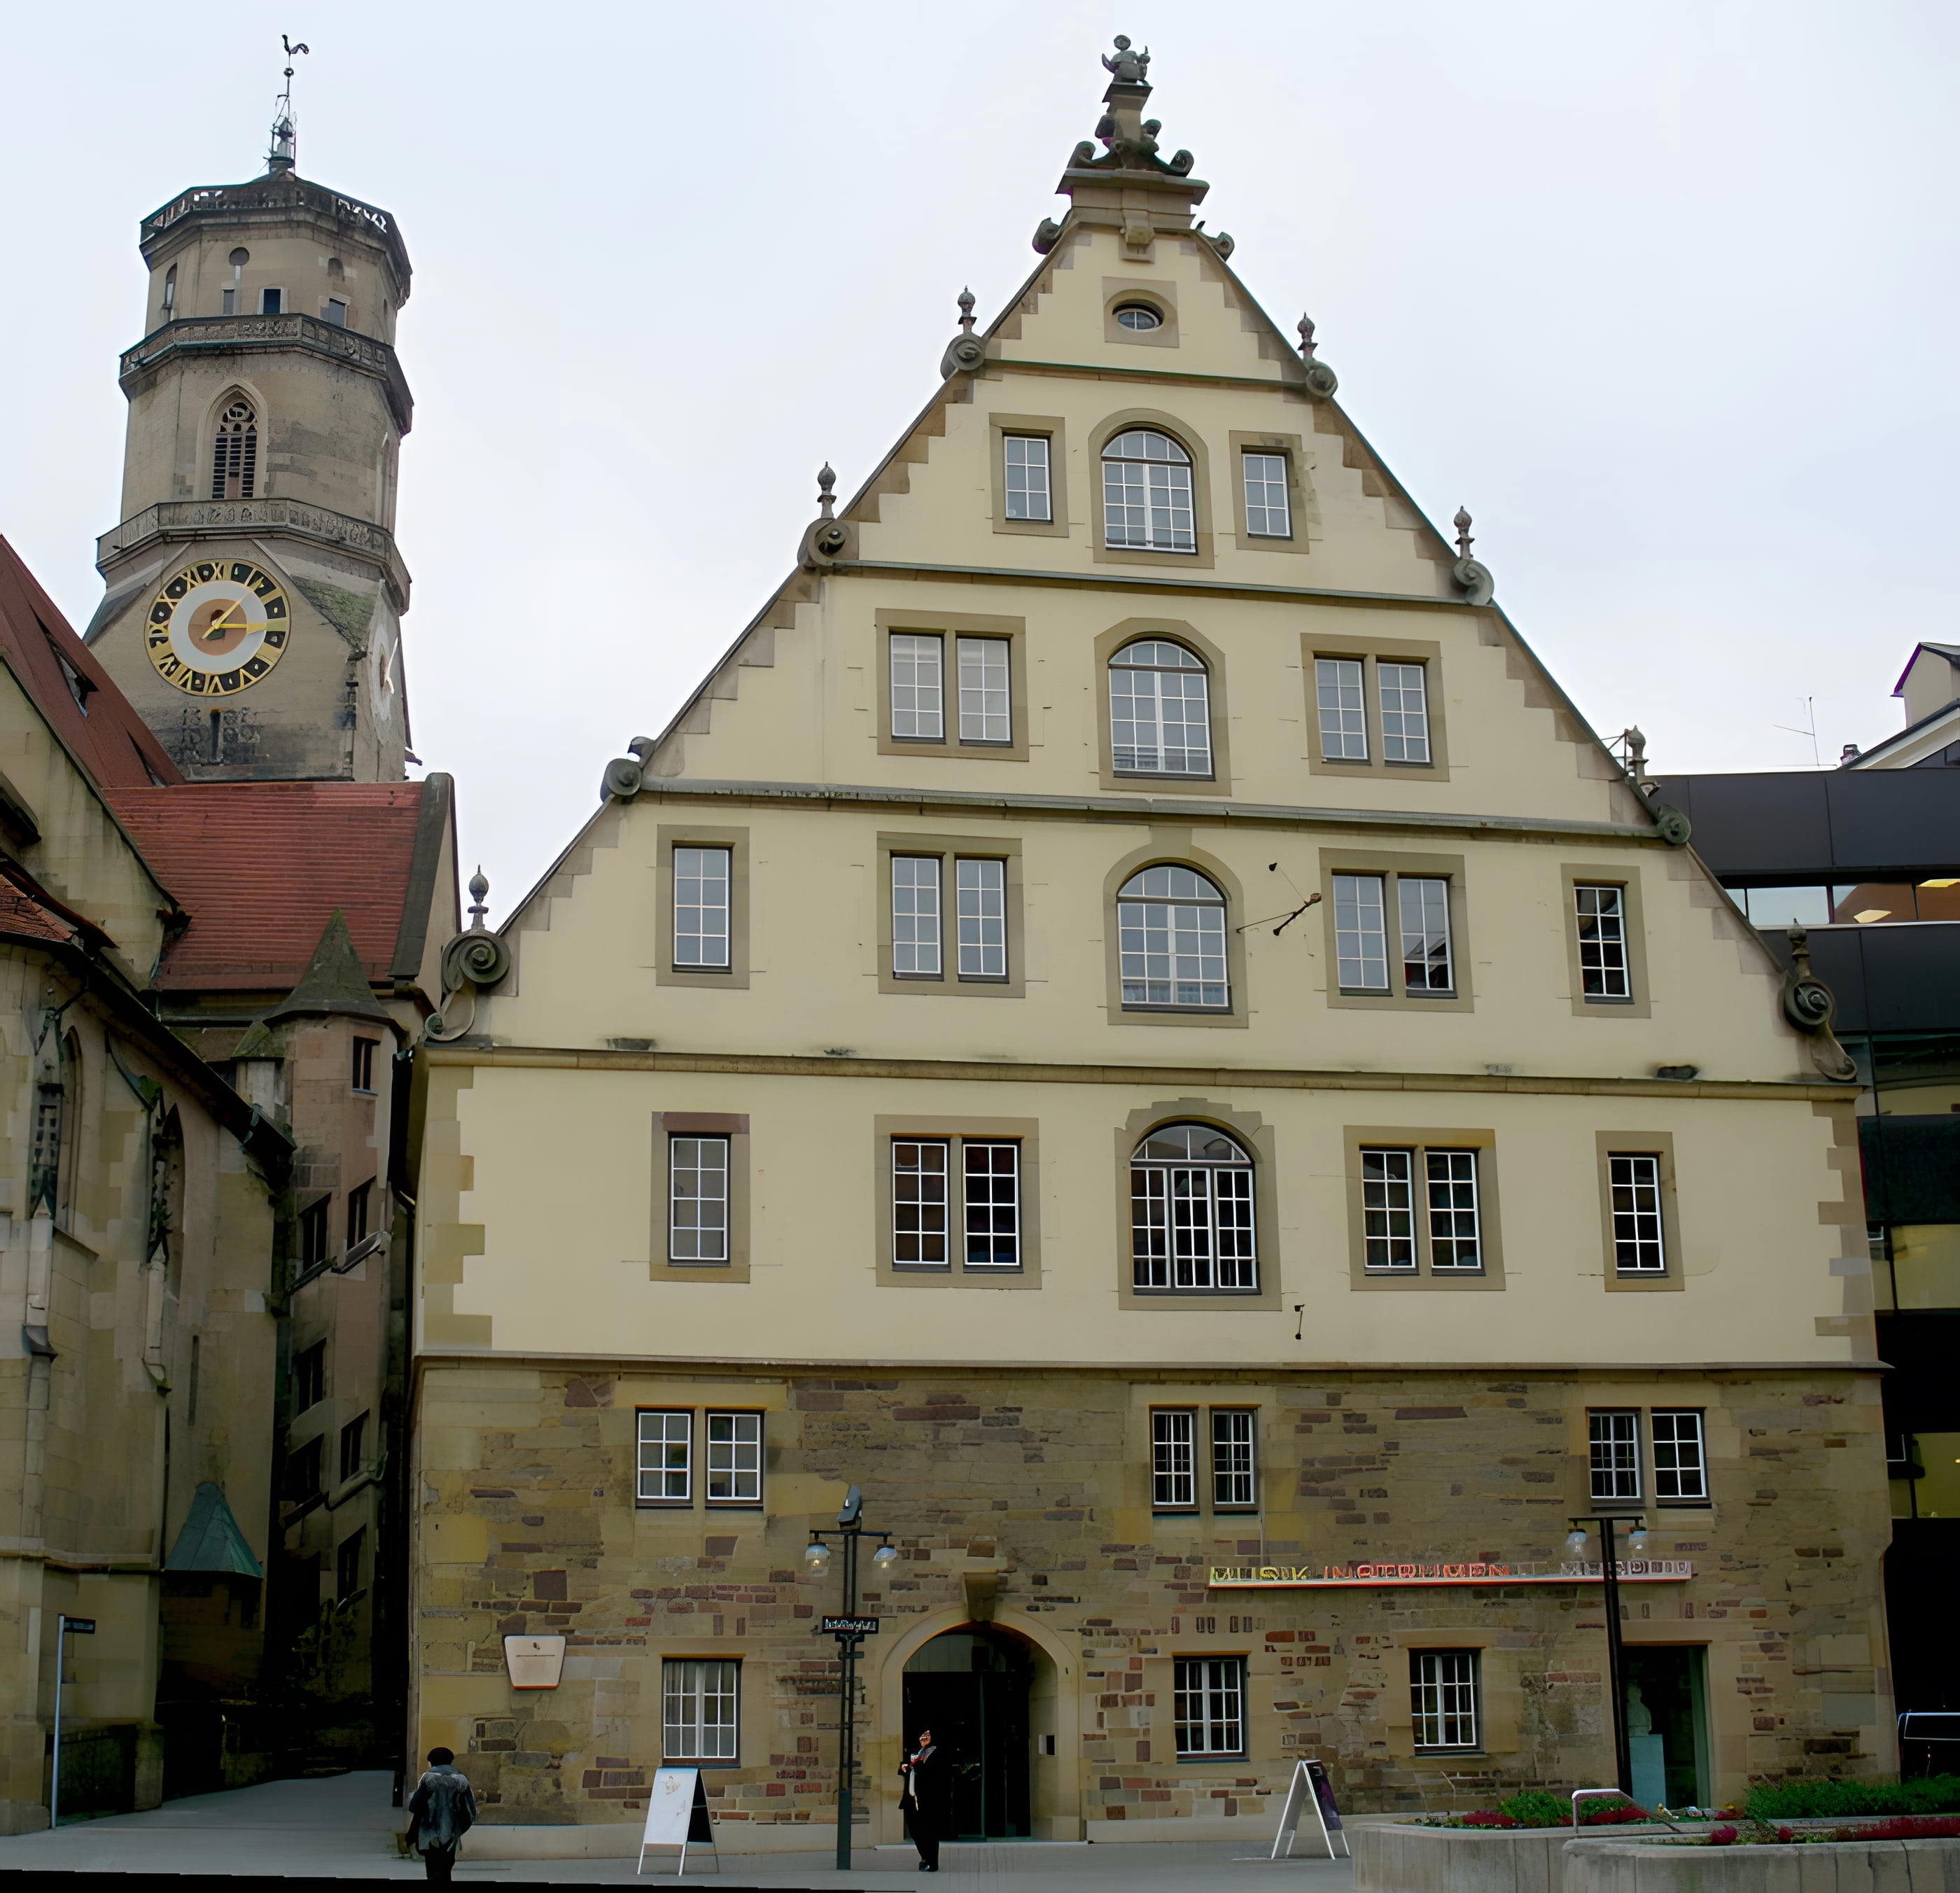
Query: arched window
1191, 1210
1160, 711
1146, 493
1170, 923
234, 454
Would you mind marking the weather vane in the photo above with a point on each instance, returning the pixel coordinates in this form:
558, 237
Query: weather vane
282, 154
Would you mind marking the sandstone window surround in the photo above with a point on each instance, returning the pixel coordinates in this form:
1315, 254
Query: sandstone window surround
695, 1152
1597, 923
1208, 1698
1444, 1706
1669, 1467
688, 881
1029, 457
1204, 1460
1500, 1693
1171, 847
1158, 710
950, 917
1271, 501
701, 1702
1128, 302
1168, 1265
959, 1202
1387, 942
952, 684
1152, 505
1639, 1217
1422, 1207
712, 1457
1375, 706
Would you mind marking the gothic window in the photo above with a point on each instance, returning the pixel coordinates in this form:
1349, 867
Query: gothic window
1160, 711
234, 456
166, 1185
1146, 497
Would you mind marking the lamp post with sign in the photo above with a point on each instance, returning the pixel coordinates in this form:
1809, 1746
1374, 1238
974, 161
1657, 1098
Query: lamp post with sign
850, 1630
1609, 1571
66, 1627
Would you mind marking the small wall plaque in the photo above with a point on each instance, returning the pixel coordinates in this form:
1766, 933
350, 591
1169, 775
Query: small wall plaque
534, 1662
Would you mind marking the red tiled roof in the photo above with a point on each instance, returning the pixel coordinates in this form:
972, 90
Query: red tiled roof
111, 741
260, 867
21, 914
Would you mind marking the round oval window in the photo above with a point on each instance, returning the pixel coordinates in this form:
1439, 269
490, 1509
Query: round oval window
1139, 315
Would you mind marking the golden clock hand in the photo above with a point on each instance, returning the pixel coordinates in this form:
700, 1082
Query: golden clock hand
218, 628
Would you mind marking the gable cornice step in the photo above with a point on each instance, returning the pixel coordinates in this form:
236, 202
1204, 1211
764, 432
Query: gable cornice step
1154, 581
1211, 1077
1150, 809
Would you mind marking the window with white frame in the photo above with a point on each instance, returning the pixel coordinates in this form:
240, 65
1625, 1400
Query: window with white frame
1146, 494
981, 894
1170, 929
1680, 1455
1174, 1459
1426, 963
1026, 466
1455, 1240
734, 1459
1360, 933
986, 709
987, 1212
666, 1457
918, 690
1160, 711
990, 1182
1424, 966
1210, 1705
1446, 1214
700, 1709
920, 1210
1268, 510
915, 939
1191, 1216
1443, 1693
1387, 1210
700, 883
1614, 1442
697, 1198
1235, 1485
1343, 717
1604, 971
1405, 699
1639, 1244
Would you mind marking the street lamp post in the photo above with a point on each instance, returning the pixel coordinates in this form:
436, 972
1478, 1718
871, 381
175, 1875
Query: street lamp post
1609, 1570
849, 1631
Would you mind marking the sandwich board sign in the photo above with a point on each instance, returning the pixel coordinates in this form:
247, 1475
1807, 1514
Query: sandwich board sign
677, 1816
1310, 1788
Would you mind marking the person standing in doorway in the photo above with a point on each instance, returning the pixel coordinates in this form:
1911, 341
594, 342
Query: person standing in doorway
442, 1811
923, 1800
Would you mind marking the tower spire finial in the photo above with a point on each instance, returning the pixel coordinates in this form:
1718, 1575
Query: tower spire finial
283, 155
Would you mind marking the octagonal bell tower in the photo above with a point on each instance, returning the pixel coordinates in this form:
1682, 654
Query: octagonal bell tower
254, 591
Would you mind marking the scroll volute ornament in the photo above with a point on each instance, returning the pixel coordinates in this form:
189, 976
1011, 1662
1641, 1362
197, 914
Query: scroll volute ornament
1811, 1005
826, 539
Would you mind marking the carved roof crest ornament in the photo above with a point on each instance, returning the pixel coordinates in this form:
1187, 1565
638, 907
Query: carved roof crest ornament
1126, 66
1472, 575
1129, 140
1811, 1005
966, 352
473, 962
1321, 381
826, 538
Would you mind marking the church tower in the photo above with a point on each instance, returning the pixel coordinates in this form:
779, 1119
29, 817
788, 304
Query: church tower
254, 592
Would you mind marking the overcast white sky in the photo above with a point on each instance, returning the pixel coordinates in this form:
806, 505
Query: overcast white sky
1665, 293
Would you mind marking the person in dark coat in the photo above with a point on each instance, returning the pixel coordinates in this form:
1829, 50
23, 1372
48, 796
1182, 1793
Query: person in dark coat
442, 1811
923, 1800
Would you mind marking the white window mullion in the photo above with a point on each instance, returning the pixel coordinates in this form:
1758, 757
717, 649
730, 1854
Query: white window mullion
915, 928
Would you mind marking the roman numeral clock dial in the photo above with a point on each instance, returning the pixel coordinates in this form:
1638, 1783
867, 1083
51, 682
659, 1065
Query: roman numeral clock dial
217, 627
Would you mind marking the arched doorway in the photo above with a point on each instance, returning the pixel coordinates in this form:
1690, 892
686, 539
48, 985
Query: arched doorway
970, 1687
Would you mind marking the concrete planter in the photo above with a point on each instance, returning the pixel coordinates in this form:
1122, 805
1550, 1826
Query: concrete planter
1413, 1860
1846, 1866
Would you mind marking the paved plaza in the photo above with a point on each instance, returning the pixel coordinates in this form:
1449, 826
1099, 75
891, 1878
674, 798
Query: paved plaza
344, 1829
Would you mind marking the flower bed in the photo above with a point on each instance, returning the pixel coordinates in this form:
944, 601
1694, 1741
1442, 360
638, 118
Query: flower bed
1535, 1808
1904, 1827
1827, 1800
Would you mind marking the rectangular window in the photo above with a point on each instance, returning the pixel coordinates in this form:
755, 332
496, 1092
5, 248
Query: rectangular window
303, 1470
1344, 723
359, 1203
1455, 1240
1388, 1209
1424, 902
919, 1207
1028, 493
230, 305
1604, 969
734, 1459
1268, 512
316, 1233
309, 1376
700, 1709
364, 1063
666, 1458
1234, 1475
696, 1199
1360, 933
1638, 1246
915, 916
1210, 1705
980, 889
270, 301
701, 881
336, 312
986, 713
347, 1561
1173, 1459
917, 692
1615, 1444
1680, 1457
353, 1446
1442, 1690
991, 1173
1404, 700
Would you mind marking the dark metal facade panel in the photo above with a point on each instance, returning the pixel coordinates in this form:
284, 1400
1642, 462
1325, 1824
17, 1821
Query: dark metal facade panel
1833, 825
1912, 1168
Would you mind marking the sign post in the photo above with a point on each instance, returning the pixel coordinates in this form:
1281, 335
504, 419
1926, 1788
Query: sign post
1309, 1788
677, 1816
66, 1627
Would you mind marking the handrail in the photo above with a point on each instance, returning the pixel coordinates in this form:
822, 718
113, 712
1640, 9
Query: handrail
1579, 1794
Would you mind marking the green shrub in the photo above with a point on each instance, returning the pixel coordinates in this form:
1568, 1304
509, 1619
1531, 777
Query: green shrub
1534, 1807
1824, 1800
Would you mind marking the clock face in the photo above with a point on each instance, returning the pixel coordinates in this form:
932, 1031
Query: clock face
217, 627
